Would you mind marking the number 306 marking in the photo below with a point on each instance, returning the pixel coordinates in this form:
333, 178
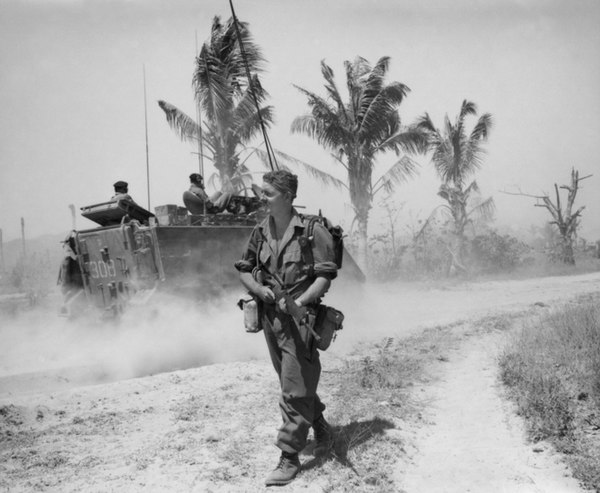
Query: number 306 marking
102, 269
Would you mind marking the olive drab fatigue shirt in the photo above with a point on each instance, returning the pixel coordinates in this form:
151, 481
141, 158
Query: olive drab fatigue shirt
285, 257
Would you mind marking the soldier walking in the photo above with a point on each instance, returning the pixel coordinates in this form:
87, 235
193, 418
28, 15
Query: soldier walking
273, 263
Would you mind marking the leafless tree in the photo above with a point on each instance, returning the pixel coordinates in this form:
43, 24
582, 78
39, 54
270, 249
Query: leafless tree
566, 220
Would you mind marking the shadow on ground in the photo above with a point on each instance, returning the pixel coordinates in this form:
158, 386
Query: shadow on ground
347, 437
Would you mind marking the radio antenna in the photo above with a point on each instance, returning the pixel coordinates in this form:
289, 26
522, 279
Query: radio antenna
199, 120
271, 155
146, 125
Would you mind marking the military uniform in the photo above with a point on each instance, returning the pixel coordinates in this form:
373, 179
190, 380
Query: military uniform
215, 203
121, 196
292, 349
121, 192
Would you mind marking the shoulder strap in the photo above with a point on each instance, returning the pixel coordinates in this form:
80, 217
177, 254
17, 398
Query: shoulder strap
259, 244
306, 244
261, 240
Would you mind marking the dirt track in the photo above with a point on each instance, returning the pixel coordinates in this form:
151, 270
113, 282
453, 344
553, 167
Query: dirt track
211, 428
474, 441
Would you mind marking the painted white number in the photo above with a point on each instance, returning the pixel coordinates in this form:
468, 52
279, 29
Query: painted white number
102, 269
112, 270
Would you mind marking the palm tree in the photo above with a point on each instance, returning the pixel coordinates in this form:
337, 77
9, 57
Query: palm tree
225, 96
456, 157
357, 131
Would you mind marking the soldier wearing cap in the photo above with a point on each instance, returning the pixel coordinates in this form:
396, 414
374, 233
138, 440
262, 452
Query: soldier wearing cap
274, 247
121, 191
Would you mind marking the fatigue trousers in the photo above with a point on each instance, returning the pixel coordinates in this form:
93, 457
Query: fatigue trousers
296, 361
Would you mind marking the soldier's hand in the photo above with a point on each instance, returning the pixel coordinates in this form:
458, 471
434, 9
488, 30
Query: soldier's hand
266, 294
282, 305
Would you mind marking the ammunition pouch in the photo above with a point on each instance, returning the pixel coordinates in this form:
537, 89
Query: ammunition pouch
327, 322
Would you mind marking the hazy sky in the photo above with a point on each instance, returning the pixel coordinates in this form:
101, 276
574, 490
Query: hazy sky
72, 95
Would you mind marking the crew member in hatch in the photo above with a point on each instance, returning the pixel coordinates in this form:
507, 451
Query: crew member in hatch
121, 191
198, 201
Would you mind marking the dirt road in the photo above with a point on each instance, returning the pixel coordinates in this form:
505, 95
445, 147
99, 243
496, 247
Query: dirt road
210, 428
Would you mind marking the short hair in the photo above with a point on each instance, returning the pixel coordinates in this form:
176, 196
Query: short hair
196, 177
283, 180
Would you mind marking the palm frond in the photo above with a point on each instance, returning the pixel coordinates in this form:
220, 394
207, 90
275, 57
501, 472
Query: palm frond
473, 187
425, 124
322, 112
467, 108
331, 87
355, 71
473, 154
212, 86
382, 66
321, 176
411, 140
400, 172
380, 106
484, 210
371, 84
482, 127
250, 127
322, 125
286, 161
185, 127
246, 103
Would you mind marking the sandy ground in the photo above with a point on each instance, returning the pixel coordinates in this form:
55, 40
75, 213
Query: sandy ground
201, 413
474, 441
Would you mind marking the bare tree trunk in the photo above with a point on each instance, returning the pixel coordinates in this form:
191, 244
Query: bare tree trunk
566, 244
362, 252
456, 264
457, 250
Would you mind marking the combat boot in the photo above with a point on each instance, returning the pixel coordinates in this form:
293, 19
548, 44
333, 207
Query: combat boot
286, 470
323, 436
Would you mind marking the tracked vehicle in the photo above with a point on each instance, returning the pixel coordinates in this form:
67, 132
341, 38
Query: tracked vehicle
133, 254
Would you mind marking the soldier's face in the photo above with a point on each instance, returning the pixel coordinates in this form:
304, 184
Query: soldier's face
274, 199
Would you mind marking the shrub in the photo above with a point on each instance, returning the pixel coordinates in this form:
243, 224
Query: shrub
385, 257
492, 252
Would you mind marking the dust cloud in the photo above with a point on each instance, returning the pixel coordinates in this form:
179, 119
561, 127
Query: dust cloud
166, 334
171, 333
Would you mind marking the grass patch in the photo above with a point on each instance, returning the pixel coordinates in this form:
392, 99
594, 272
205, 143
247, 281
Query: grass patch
552, 368
369, 403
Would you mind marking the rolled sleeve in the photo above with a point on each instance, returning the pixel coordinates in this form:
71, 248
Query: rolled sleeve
248, 260
244, 265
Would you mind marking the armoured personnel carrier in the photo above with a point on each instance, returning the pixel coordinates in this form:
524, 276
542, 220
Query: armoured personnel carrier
134, 253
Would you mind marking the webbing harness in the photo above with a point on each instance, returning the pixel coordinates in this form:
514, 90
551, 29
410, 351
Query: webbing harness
305, 242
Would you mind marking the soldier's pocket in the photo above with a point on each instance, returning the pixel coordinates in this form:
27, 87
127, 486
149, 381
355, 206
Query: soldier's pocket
292, 259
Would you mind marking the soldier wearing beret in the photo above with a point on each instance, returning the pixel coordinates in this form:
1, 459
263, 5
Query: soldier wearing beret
121, 191
275, 244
